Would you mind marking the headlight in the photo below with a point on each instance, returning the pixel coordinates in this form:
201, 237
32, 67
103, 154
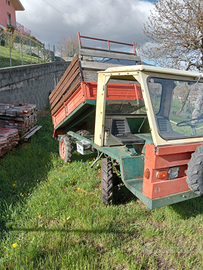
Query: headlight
173, 173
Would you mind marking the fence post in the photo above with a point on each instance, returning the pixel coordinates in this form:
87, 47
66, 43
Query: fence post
54, 53
30, 52
21, 47
10, 50
44, 54
50, 56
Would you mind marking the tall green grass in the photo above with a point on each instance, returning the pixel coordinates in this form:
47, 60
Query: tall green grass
51, 217
16, 58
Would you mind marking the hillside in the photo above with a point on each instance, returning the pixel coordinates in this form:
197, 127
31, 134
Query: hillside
16, 58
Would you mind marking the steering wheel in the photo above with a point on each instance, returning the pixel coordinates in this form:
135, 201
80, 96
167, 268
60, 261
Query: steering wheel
187, 122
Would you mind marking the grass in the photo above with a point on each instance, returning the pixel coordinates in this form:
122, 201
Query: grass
51, 217
16, 58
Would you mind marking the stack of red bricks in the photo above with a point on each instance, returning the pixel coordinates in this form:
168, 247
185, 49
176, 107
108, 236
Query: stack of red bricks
15, 120
9, 138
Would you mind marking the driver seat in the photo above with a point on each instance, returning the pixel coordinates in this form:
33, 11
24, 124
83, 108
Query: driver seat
120, 130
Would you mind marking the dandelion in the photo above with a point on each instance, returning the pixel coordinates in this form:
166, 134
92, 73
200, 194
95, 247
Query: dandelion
79, 188
90, 162
73, 175
42, 186
22, 195
53, 162
39, 216
14, 185
68, 163
15, 245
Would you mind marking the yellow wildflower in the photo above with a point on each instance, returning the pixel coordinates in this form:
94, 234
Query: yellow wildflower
79, 188
14, 185
39, 216
15, 245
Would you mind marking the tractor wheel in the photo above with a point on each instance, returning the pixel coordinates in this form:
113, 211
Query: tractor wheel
66, 148
106, 181
195, 171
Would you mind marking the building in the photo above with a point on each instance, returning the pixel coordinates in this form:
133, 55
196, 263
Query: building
8, 10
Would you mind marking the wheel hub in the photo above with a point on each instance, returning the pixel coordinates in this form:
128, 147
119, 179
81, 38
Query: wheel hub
62, 150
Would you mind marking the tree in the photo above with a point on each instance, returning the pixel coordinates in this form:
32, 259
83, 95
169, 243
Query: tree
68, 46
175, 34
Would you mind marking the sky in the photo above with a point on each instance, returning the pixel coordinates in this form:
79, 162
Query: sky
51, 20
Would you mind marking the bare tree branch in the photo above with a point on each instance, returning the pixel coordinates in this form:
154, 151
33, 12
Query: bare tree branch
175, 34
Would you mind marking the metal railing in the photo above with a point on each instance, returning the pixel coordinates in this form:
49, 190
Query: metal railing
17, 49
11, 23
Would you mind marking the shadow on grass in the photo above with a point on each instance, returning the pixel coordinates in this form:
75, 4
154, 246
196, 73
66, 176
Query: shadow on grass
190, 208
23, 168
123, 196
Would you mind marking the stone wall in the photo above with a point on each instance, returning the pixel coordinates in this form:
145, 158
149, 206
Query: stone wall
31, 83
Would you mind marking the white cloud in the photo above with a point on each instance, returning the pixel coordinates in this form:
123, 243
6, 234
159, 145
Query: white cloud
119, 20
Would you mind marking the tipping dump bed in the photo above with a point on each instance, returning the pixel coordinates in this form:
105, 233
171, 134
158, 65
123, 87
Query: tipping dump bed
86, 95
73, 100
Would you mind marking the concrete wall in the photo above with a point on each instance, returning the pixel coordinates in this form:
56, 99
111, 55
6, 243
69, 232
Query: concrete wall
31, 83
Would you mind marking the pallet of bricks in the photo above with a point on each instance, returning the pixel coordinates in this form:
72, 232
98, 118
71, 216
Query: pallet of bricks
15, 121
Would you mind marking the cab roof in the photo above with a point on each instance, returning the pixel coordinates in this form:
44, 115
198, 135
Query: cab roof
124, 70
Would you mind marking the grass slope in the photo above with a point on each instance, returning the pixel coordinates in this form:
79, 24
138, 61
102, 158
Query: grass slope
51, 217
16, 58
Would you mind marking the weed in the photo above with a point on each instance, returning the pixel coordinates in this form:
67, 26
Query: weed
51, 217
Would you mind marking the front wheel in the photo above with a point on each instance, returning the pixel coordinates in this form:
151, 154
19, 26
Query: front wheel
106, 181
65, 148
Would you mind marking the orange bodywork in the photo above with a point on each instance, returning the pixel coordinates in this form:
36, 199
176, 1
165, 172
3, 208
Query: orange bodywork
158, 159
88, 91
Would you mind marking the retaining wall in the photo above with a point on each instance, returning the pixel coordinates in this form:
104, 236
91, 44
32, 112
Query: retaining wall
30, 84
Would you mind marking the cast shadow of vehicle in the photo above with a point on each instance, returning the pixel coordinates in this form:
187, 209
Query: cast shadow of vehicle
122, 195
190, 208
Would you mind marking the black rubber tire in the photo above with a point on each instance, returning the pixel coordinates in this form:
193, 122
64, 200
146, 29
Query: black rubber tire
195, 171
107, 181
66, 148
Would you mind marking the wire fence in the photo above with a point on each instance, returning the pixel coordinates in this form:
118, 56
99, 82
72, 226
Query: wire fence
16, 49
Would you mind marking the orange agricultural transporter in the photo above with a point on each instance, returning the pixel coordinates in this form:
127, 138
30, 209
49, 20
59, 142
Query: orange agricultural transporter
146, 121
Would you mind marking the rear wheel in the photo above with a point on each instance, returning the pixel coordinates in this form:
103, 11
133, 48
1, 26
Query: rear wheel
66, 148
195, 171
106, 181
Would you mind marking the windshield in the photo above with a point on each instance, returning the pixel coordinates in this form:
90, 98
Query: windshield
177, 106
124, 99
